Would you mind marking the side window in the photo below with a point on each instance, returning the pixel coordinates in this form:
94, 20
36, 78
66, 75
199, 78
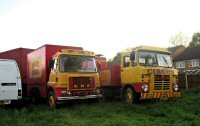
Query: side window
55, 66
126, 61
133, 59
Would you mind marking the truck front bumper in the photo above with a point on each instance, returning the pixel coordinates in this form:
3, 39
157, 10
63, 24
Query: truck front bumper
79, 97
160, 95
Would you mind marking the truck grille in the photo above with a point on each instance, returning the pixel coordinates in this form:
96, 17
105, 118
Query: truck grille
162, 82
81, 82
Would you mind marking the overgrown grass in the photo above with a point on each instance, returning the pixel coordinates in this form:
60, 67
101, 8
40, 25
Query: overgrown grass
183, 112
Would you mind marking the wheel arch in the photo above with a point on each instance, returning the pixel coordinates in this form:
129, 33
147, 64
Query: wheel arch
125, 87
50, 88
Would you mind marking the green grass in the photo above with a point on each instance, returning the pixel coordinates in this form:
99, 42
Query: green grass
183, 112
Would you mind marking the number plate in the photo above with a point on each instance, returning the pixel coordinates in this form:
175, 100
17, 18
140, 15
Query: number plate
164, 97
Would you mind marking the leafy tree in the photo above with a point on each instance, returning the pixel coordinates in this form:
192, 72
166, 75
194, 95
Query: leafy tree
195, 39
116, 60
179, 39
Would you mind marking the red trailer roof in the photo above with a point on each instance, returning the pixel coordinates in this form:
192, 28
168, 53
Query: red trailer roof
20, 56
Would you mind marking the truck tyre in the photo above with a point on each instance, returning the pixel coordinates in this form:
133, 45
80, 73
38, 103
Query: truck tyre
130, 96
51, 100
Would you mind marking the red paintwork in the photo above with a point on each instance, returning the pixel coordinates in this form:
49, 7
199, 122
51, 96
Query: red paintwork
20, 56
158, 95
114, 75
101, 63
58, 92
138, 86
84, 81
45, 53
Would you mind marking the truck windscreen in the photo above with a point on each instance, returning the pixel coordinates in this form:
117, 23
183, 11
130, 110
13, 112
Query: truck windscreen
154, 59
77, 64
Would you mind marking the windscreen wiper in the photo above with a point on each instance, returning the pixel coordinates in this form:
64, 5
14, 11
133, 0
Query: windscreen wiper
165, 61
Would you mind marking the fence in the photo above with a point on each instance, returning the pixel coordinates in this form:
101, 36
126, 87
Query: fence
192, 80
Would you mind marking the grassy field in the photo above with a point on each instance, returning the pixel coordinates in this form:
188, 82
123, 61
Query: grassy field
183, 112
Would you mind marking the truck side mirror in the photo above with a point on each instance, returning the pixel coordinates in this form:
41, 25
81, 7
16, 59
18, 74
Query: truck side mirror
51, 63
132, 56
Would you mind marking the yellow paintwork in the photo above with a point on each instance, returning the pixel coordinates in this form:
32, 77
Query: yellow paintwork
147, 48
74, 52
141, 74
58, 79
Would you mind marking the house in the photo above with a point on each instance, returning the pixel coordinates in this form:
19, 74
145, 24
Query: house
176, 51
188, 59
188, 64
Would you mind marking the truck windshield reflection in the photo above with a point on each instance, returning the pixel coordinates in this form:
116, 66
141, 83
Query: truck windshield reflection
155, 59
77, 64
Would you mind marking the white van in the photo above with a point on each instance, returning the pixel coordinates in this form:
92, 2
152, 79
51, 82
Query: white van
10, 81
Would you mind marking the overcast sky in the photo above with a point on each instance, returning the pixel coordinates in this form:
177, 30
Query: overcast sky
102, 26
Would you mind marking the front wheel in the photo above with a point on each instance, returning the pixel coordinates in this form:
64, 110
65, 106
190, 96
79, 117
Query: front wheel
130, 96
51, 100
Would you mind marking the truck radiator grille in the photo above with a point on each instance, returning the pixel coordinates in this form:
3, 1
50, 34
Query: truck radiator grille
81, 82
162, 82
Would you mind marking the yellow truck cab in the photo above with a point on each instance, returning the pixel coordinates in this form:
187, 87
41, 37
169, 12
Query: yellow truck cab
73, 76
147, 73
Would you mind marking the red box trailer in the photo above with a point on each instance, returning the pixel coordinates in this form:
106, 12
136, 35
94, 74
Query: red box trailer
38, 68
110, 76
20, 56
110, 81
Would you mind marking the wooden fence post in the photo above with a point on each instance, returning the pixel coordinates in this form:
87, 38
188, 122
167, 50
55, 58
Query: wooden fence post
186, 81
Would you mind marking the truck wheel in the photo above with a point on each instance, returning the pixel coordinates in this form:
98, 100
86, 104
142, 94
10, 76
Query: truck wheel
51, 100
130, 96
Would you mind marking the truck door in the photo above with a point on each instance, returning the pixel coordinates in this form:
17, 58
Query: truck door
129, 69
125, 73
53, 75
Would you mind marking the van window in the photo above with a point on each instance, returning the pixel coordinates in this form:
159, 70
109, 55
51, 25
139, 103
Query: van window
8, 69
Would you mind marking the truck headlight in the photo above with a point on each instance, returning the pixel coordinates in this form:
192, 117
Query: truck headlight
97, 91
145, 88
68, 92
65, 93
175, 87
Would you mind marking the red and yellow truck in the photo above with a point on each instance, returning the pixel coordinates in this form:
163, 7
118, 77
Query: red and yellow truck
60, 74
144, 73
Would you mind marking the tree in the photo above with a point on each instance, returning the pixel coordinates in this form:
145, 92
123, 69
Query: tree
179, 39
195, 39
116, 60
